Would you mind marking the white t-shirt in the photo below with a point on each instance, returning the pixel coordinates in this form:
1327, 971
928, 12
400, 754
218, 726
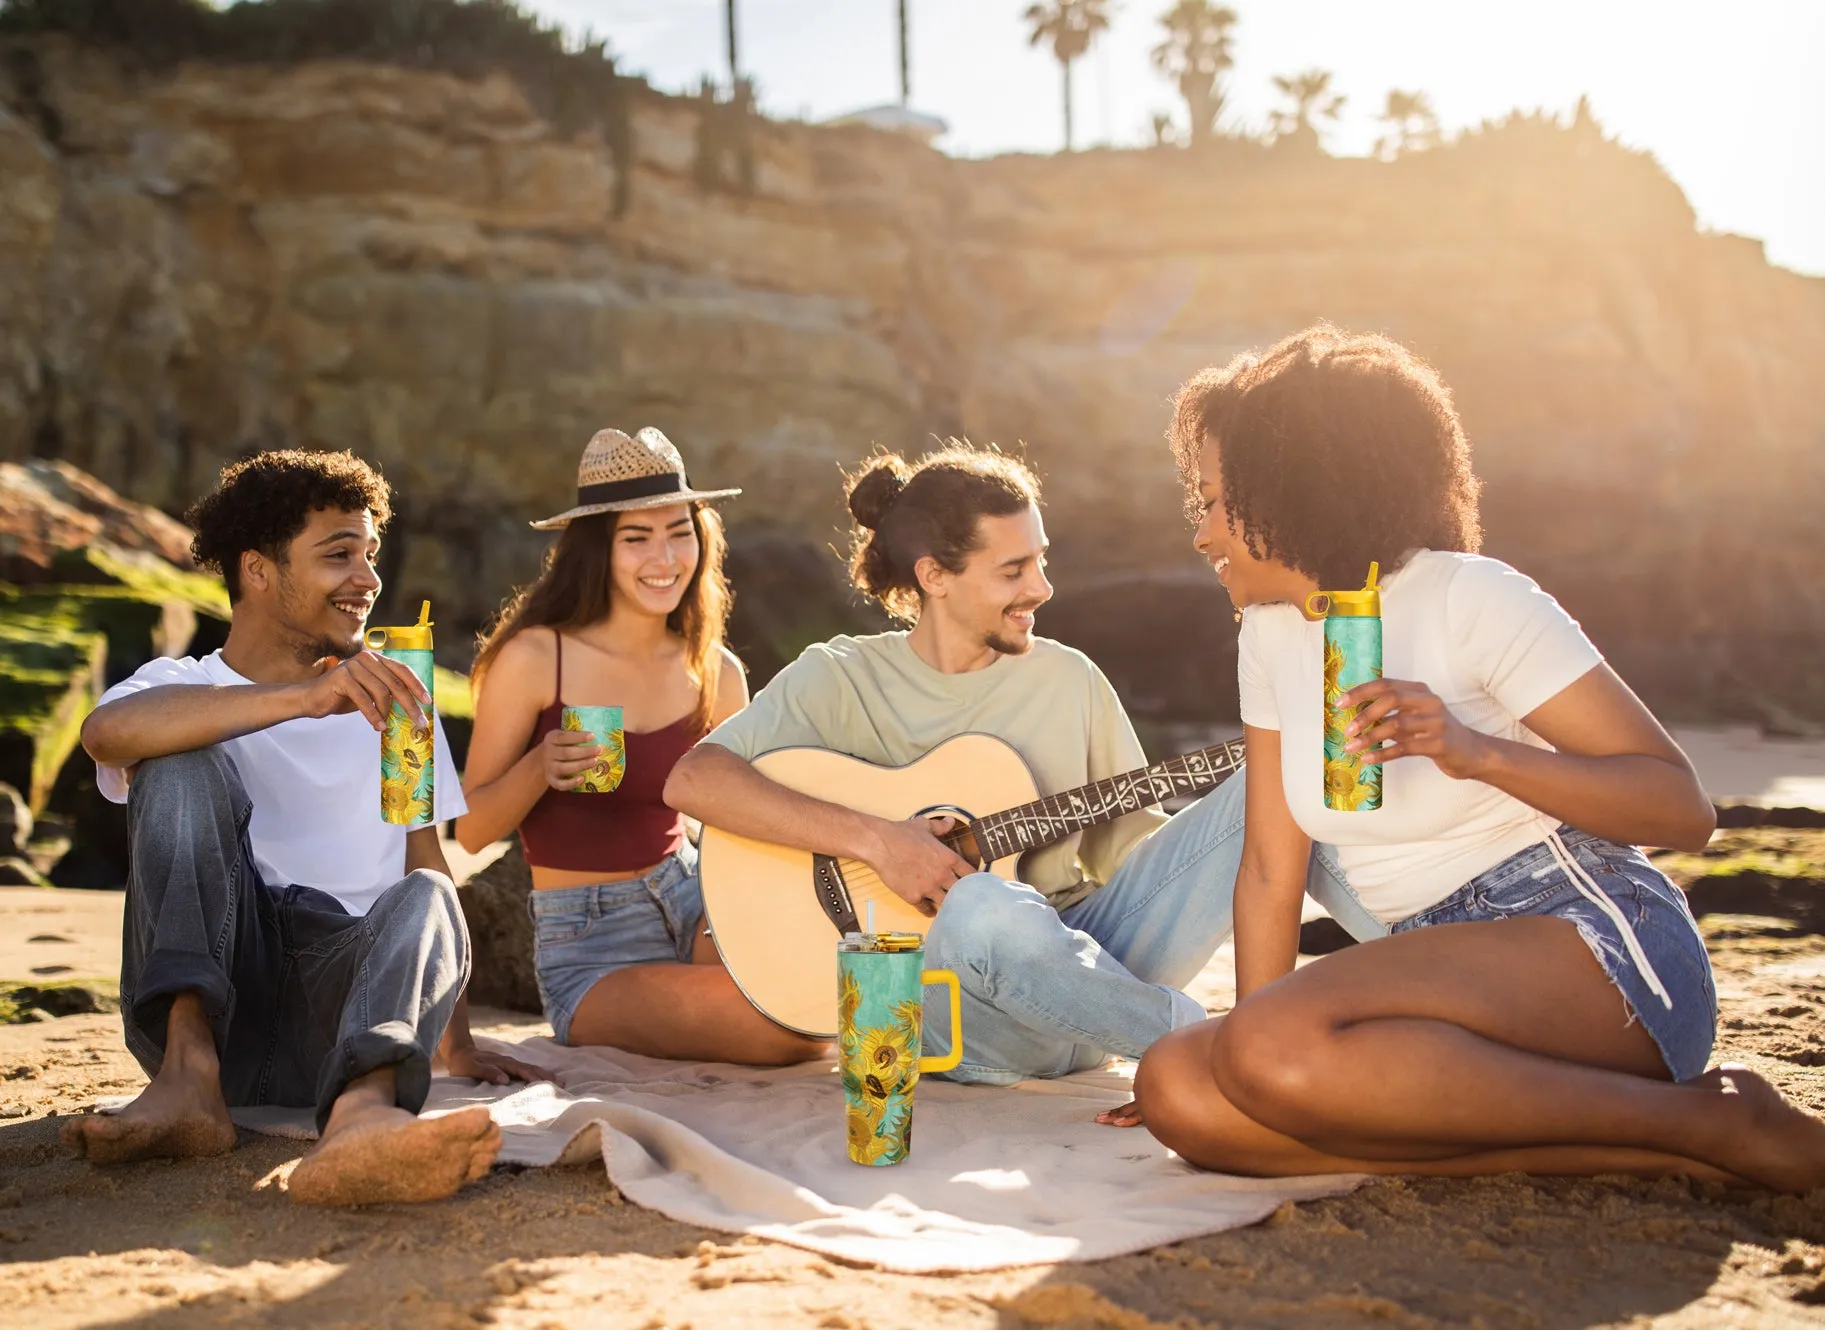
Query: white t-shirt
1493, 646
315, 786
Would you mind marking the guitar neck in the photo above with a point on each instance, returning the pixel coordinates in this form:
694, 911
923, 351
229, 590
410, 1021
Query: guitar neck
1049, 820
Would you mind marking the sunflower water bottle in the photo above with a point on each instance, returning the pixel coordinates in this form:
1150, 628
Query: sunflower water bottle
408, 775
1352, 656
881, 1024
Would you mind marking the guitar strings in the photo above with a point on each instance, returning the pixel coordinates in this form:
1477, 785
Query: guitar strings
864, 875
1204, 768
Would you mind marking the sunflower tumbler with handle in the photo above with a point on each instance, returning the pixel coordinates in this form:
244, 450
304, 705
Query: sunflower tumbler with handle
881, 1012
1352, 656
407, 755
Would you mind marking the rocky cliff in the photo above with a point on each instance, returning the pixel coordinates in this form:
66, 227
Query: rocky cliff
203, 261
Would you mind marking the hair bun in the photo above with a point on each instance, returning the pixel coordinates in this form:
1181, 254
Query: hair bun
874, 489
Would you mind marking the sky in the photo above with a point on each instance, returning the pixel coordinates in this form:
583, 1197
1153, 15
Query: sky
1730, 98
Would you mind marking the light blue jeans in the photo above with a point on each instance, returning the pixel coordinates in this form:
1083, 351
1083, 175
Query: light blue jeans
1047, 993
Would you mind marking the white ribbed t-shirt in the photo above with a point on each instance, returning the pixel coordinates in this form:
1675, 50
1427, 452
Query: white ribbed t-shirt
1493, 646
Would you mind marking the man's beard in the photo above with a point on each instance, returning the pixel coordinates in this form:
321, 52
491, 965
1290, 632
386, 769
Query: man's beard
308, 645
312, 650
1003, 646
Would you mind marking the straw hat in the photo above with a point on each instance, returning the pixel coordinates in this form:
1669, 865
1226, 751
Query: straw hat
619, 474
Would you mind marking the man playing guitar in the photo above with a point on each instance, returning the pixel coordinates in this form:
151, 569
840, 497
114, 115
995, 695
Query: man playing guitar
1086, 956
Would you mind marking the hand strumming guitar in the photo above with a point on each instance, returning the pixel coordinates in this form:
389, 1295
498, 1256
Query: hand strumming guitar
915, 864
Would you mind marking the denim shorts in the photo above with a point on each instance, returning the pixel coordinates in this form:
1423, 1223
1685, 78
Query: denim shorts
582, 934
1636, 923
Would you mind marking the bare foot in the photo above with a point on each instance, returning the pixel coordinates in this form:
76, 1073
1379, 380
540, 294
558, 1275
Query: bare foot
1128, 1115
378, 1152
1784, 1148
178, 1116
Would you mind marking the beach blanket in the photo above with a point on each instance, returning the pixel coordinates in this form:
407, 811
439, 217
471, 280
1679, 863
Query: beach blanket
996, 1177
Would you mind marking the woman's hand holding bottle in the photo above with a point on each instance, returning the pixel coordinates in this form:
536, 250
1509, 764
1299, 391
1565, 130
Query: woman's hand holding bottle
565, 755
1401, 718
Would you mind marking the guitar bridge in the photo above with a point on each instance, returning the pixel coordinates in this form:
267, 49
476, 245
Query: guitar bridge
833, 894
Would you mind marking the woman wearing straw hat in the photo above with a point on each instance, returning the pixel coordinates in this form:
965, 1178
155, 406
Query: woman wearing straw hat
628, 612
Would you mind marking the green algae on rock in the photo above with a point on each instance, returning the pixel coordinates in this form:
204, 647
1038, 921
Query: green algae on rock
61, 643
22, 1002
52, 655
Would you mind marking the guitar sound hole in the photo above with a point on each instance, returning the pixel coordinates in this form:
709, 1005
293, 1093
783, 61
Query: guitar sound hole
960, 838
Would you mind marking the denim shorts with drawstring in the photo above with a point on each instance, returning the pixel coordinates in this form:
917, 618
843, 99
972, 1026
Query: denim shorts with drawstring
1636, 923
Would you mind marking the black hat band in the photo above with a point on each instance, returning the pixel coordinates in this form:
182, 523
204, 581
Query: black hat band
640, 487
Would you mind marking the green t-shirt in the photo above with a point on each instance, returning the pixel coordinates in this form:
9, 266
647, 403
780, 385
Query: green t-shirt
874, 699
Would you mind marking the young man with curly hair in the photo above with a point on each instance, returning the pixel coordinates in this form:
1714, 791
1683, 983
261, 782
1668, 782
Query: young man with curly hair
283, 944
1088, 954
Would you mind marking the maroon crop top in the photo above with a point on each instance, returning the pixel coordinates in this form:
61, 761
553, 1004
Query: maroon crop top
628, 829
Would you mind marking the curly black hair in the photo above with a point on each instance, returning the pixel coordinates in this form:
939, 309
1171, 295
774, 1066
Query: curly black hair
1336, 449
264, 502
905, 511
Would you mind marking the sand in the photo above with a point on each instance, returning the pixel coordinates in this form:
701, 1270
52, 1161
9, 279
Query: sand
217, 1242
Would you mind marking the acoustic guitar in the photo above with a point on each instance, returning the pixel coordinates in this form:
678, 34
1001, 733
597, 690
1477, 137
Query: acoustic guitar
777, 913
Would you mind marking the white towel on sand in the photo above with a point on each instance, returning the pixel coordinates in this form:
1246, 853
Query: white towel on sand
996, 1177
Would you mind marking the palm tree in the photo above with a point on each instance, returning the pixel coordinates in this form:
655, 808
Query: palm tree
1197, 53
729, 27
1071, 26
905, 63
1412, 123
1312, 96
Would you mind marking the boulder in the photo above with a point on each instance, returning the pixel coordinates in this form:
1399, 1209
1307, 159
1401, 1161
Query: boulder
51, 673
96, 847
15, 821
52, 508
1732, 815
500, 934
1322, 936
95, 586
81, 997
17, 872
51, 840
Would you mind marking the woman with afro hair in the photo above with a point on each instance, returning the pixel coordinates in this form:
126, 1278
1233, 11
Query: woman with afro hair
1542, 1001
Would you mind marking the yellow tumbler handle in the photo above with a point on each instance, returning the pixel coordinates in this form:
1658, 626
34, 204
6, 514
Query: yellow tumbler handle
949, 980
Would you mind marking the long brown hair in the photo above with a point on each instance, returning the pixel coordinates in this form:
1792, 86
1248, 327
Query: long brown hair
575, 589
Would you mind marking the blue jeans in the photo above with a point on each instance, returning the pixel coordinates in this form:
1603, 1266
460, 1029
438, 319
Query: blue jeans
1047, 993
301, 996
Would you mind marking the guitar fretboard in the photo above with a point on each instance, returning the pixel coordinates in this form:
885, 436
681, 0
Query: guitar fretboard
1048, 820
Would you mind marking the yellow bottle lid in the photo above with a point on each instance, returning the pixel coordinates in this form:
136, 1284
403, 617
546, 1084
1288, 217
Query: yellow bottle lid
872, 943
1364, 604
410, 637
